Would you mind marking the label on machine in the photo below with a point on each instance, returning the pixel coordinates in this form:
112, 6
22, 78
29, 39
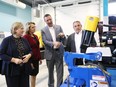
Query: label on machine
95, 83
97, 77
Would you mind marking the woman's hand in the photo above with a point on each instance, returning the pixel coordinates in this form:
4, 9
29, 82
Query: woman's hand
26, 58
16, 60
40, 61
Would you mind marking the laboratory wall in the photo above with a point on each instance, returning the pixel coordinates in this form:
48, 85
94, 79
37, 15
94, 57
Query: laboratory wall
65, 16
10, 14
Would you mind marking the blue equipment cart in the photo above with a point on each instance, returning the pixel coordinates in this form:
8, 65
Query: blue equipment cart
90, 75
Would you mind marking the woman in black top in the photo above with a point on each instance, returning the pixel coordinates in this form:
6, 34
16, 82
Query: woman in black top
15, 52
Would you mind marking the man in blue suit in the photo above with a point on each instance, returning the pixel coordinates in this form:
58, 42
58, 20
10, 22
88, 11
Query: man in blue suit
53, 39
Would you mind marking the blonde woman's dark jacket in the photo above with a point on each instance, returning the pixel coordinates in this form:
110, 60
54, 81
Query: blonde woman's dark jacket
8, 50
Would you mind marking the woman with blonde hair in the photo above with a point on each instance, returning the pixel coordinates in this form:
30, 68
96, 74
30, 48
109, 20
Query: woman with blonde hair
34, 43
16, 52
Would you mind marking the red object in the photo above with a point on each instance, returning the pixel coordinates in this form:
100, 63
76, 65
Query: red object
35, 47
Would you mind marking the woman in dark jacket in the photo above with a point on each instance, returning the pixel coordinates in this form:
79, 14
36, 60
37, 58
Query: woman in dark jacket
15, 52
36, 57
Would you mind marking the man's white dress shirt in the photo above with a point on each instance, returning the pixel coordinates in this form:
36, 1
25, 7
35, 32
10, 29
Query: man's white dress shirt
78, 41
52, 31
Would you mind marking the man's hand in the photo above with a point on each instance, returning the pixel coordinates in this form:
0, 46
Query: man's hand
61, 35
56, 44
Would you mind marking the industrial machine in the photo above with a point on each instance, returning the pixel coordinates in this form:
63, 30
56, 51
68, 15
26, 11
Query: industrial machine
90, 75
108, 40
108, 49
1, 38
90, 28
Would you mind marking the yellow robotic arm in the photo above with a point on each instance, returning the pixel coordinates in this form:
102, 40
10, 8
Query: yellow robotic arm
89, 30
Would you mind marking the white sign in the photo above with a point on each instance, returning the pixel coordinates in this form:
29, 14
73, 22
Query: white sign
95, 83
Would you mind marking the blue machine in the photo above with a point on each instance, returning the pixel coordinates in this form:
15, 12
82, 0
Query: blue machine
91, 75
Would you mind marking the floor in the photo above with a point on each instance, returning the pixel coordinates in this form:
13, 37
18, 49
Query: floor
42, 77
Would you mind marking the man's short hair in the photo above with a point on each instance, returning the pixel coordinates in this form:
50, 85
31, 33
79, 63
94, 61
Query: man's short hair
46, 15
76, 22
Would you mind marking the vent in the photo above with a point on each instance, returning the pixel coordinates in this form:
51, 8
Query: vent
67, 5
36, 12
84, 2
